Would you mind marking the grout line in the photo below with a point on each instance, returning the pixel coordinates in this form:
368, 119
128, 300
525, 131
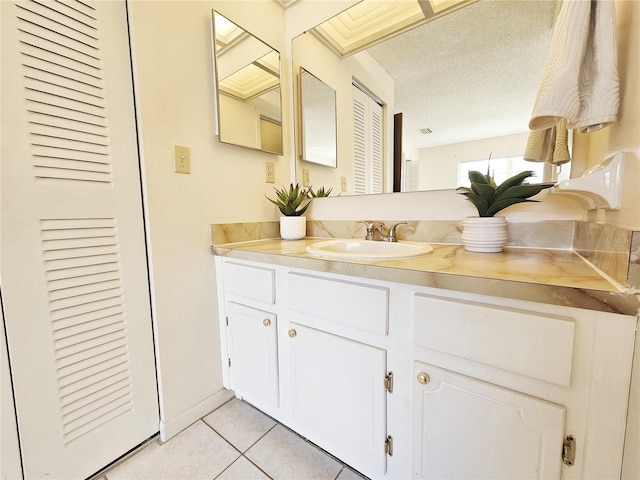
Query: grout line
223, 438
258, 467
276, 423
226, 468
261, 437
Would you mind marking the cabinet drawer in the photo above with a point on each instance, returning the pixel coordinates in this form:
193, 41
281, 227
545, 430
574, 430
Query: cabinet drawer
364, 307
538, 345
250, 282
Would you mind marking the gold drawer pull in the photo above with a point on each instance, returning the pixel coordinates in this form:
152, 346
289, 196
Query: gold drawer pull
423, 378
292, 333
266, 322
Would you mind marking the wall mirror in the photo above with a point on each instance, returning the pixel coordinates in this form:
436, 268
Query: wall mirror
247, 88
317, 109
465, 82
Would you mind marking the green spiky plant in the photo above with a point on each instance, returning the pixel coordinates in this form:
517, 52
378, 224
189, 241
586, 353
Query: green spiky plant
291, 201
320, 192
490, 198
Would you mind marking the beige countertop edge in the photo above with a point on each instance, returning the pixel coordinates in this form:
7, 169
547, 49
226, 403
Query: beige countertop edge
560, 277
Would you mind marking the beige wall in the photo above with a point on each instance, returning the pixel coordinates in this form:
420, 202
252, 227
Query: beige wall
172, 68
626, 136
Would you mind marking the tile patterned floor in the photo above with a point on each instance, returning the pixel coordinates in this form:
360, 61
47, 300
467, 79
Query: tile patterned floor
234, 442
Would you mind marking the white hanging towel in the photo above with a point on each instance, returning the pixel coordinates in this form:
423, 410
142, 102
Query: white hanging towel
550, 145
580, 77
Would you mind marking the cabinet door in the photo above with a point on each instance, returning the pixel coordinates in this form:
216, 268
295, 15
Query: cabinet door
465, 428
338, 395
253, 354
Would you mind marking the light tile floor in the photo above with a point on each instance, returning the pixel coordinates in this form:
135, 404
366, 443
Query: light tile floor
234, 442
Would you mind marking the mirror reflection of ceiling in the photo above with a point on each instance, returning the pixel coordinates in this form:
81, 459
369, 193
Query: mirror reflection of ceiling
254, 79
371, 21
472, 73
259, 74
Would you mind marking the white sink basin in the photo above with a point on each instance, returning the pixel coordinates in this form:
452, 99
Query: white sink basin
367, 249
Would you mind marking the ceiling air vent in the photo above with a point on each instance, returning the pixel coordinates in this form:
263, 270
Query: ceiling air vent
425, 131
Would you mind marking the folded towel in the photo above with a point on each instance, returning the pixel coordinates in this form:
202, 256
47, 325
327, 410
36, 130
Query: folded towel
580, 77
549, 145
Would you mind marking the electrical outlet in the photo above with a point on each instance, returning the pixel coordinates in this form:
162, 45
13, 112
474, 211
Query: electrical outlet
343, 184
270, 173
305, 177
182, 159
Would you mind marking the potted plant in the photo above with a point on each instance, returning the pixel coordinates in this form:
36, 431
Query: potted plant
320, 192
292, 203
486, 232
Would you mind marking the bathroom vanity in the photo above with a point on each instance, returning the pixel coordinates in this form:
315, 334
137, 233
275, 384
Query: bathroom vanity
447, 365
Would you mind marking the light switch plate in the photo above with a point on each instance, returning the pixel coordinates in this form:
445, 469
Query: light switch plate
182, 159
305, 177
343, 184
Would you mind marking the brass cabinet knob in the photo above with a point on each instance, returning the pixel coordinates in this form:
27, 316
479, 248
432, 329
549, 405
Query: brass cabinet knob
292, 333
423, 378
266, 322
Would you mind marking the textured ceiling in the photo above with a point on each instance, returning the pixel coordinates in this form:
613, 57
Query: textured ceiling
470, 74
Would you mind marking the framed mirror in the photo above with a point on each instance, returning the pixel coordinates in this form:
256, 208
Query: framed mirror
464, 80
317, 107
247, 88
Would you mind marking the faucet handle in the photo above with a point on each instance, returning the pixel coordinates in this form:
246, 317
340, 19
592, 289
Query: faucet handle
391, 236
372, 227
370, 223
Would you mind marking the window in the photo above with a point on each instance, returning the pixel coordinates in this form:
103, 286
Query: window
501, 169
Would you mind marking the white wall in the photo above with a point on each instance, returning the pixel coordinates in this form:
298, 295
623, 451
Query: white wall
172, 69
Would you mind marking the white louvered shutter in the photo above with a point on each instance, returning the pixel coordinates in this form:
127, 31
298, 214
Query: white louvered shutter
368, 159
359, 141
75, 287
412, 176
375, 115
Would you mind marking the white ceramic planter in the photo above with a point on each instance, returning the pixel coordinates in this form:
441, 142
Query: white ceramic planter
484, 234
293, 228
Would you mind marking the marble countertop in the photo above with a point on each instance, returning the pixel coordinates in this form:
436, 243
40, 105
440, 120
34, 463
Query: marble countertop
551, 276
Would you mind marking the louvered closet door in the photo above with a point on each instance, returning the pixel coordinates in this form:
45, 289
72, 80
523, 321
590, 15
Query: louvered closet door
74, 280
367, 143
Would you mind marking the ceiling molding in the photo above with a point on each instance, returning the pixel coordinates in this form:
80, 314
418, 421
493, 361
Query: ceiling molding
285, 3
370, 22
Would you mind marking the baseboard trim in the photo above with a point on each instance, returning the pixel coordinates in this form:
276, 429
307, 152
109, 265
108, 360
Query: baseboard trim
176, 425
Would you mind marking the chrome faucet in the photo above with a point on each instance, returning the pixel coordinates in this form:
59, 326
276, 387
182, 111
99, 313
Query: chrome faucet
374, 227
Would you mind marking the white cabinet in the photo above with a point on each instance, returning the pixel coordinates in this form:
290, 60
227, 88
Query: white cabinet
253, 354
579, 359
338, 396
484, 387
466, 428
249, 333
